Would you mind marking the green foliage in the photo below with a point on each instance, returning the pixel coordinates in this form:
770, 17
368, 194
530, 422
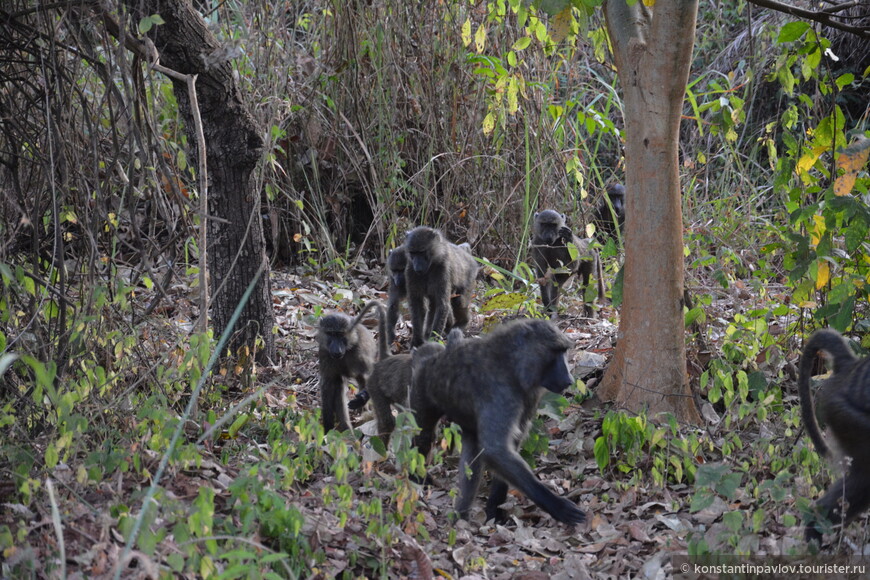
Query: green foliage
633, 444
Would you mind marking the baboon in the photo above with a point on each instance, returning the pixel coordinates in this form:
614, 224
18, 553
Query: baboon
388, 385
345, 350
491, 387
396, 262
552, 258
440, 279
843, 404
608, 222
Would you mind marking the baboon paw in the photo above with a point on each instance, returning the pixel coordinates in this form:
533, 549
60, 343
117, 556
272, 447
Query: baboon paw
571, 515
498, 515
359, 401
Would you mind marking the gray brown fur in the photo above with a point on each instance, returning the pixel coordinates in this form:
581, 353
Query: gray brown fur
346, 350
491, 388
607, 222
843, 404
552, 258
388, 385
440, 279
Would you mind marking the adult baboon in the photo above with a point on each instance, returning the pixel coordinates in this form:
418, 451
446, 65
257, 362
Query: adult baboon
843, 404
607, 222
552, 258
440, 279
345, 350
491, 388
398, 291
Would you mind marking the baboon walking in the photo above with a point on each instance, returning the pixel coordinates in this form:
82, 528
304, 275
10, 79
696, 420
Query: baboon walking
491, 388
843, 404
440, 280
345, 349
551, 257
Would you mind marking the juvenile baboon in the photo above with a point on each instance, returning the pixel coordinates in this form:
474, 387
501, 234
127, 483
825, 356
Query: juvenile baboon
607, 222
491, 388
398, 291
345, 349
843, 404
552, 258
440, 279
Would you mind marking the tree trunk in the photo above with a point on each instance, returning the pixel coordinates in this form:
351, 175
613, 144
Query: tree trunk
236, 250
653, 51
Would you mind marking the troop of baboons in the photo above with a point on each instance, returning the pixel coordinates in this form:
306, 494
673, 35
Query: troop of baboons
491, 386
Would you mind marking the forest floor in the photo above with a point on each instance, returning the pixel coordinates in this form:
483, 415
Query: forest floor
634, 527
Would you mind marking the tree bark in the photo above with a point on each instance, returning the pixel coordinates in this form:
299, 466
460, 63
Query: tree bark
234, 144
653, 51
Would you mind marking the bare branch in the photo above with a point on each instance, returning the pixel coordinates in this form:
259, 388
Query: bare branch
829, 16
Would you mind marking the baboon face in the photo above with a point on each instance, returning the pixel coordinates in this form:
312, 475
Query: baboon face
616, 193
334, 335
556, 377
547, 226
421, 244
396, 262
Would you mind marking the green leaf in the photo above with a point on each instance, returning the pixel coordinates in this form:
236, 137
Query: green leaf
240, 422
792, 31
602, 453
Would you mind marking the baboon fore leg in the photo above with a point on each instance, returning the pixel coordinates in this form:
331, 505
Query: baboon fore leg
392, 319
470, 471
384, 416
419, 314
332, 403
440, 314
509, 466
498, 491
459, 306
549, 296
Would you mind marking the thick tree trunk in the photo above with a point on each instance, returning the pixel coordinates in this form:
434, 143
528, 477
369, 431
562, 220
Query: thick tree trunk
653, 51
236, 250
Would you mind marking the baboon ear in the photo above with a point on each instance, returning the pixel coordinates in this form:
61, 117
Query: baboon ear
537, 213
563, 217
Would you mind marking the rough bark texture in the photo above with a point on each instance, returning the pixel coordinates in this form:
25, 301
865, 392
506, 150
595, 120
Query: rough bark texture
233, 145
653, 50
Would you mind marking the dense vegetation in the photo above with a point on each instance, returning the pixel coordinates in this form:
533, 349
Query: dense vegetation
127, 435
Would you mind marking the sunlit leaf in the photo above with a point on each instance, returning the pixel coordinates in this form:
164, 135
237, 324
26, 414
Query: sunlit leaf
489, 123
851, 160
506, 301
818, 230
807, 161
480, 38
466, 32
823, 275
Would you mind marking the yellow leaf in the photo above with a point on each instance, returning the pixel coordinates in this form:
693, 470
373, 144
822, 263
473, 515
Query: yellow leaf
818, 230
506, 301
649, 3
851, 160
513, 104
807, 161
489, 123
466, 32
561, 24
823, 275
480, 39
